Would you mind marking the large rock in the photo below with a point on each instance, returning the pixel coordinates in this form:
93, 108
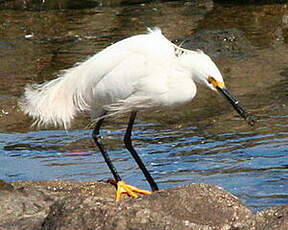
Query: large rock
90, 205
196, 206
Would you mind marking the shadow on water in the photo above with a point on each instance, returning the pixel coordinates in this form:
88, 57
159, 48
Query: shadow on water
203, 141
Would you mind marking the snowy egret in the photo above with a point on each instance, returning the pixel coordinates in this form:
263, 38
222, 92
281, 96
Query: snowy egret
141, 72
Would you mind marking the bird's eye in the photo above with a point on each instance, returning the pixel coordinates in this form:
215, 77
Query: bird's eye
215, 83
212, 81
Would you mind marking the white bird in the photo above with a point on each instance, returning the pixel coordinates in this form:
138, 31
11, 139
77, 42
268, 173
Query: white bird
141, 72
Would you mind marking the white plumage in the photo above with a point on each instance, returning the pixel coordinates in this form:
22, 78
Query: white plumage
140, 72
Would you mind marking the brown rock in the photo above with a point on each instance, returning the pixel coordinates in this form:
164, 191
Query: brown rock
90, 205
4, 186
275, 218
196, 206
25, 204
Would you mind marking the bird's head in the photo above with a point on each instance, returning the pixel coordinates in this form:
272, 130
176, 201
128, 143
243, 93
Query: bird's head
204, 71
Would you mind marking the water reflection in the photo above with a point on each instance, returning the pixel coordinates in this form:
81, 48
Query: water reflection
201, 142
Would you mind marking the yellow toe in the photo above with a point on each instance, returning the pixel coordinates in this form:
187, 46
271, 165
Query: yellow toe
132, 191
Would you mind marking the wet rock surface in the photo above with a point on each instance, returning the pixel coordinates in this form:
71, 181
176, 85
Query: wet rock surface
219, 43
91, 205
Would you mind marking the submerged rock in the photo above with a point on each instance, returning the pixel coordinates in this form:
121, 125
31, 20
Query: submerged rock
219, 43
90, 205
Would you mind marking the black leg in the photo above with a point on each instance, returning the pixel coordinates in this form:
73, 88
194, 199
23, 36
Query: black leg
128, 144
97, 138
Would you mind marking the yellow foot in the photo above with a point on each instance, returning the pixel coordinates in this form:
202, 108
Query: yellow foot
129, 189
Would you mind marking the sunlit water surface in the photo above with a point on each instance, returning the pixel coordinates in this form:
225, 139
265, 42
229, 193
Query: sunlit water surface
199, 143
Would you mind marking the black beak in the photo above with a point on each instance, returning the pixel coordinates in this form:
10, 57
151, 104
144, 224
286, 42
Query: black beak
235, 103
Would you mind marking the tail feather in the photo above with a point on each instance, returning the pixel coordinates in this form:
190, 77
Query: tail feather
53, 103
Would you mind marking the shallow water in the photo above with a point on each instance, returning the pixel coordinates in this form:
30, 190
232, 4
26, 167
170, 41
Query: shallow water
201, 142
